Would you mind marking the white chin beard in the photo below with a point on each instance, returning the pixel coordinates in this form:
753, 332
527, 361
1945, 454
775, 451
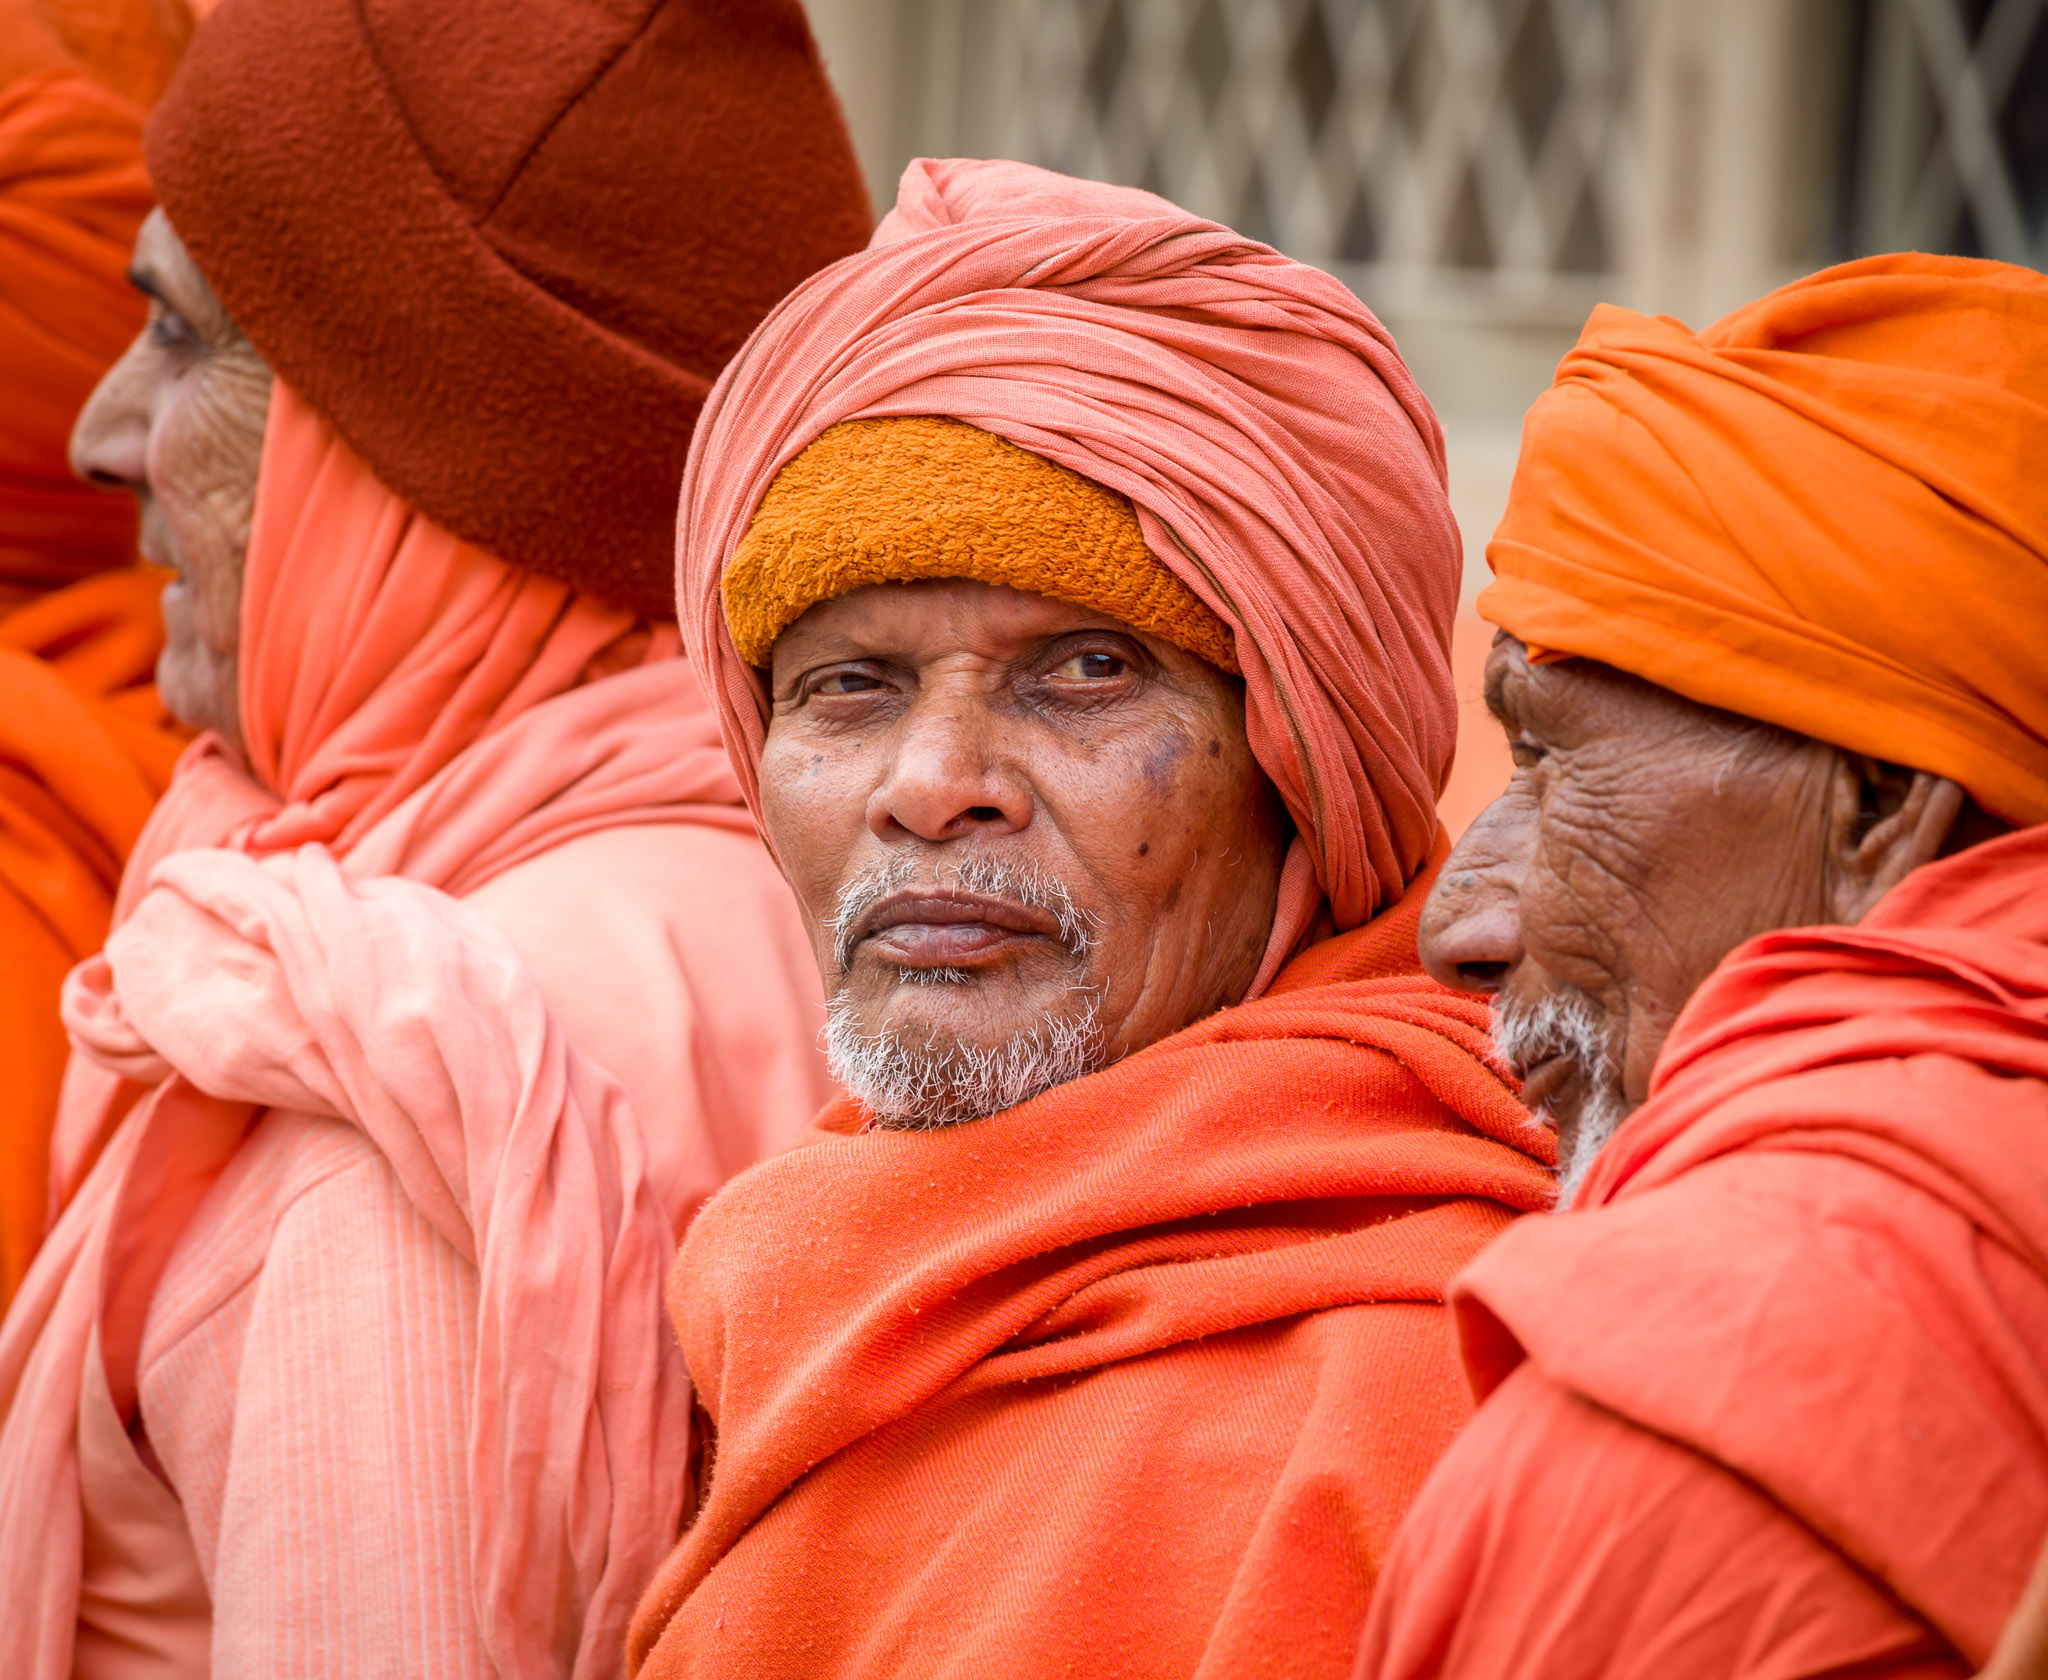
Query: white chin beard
1600, 1117
915, 1087
1565, 1023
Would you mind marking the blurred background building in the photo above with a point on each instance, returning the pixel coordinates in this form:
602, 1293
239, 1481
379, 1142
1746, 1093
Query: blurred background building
1481, 172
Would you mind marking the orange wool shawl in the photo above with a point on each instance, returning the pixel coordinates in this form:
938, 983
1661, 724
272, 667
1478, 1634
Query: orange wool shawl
1076, 1389
1774, 1398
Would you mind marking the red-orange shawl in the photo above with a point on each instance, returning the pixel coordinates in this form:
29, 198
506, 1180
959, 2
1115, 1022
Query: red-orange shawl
1774, 1400
1079, 1388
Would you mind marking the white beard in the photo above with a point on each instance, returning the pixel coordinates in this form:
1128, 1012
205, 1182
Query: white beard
911, 1086
1565, 1022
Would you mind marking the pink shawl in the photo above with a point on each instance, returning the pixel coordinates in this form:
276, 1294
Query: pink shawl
1283, 463
420, 709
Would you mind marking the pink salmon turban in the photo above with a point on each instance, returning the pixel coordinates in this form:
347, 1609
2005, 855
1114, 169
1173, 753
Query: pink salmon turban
1283, 463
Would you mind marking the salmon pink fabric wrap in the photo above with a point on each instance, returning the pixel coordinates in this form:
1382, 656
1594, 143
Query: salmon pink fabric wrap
1823, 512
413, 707
396, 1009
1283, 463
1773, 1398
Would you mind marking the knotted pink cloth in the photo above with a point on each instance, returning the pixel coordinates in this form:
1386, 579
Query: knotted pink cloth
388, 1005
1283, 464
412, 707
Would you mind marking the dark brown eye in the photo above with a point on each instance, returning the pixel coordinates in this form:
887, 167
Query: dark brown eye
846, 682
169, 330
1090, 667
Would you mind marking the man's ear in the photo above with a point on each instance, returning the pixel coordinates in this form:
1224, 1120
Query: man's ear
1884, 821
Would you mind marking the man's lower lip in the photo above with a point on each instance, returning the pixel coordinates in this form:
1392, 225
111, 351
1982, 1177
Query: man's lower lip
944, 944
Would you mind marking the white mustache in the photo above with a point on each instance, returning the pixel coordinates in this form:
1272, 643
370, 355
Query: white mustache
1024, 885
1561, 1023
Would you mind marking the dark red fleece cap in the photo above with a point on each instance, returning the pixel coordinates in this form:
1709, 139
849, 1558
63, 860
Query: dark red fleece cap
504, 246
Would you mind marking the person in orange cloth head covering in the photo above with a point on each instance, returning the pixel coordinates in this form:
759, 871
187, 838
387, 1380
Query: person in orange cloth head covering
85, 746
448, 977
1764, 919
1073, 578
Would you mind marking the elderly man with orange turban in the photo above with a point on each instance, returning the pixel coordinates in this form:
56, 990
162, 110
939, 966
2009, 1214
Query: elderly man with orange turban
85, 747
448, 977
1074, 579
1764, 919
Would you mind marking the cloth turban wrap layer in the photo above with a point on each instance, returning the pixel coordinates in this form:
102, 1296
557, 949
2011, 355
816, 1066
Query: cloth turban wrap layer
1824, 512
1281, 461
899, 501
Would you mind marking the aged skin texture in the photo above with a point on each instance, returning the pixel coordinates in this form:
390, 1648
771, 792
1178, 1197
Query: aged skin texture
1100, 778
179, 422
1641, 839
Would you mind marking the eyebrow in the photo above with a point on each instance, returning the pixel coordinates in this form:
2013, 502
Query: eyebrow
148, 283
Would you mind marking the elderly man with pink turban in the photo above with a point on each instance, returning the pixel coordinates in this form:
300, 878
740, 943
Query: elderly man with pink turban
1074, 578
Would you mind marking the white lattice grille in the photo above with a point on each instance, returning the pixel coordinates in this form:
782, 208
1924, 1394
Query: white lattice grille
1953, 152
1439, 154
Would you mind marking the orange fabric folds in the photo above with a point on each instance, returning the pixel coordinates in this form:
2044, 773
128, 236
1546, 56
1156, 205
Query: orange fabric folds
84, 752
72, 194
1823, 512
1072, 1390
85, 749
1776, 1401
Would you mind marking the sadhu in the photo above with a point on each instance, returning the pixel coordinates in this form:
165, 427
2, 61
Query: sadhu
1074, 580
1764, 918
333, 1361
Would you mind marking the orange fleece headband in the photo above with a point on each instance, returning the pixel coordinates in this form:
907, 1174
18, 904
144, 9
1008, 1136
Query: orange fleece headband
900, 499
1823, 512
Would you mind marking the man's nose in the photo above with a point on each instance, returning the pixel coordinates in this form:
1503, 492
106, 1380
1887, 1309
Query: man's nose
949, 779
109, 441
1471, 932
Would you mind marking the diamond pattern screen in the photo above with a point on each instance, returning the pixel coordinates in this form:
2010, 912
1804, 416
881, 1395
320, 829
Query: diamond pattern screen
1436, 153
1951, 152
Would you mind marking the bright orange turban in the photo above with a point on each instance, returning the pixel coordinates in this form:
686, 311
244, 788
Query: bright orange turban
1824, 512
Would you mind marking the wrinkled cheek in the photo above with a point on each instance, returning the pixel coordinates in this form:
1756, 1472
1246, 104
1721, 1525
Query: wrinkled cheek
1563, 935
814, 812
208, 595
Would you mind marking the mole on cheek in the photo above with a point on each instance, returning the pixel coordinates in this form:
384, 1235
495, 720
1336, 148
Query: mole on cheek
1215, 749
1144, 848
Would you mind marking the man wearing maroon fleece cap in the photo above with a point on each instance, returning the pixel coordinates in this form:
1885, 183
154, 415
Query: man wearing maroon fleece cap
324, 1378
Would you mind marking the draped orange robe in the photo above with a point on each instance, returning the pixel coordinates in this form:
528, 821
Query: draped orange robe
1078, 1388
84, 746
1776, 1402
